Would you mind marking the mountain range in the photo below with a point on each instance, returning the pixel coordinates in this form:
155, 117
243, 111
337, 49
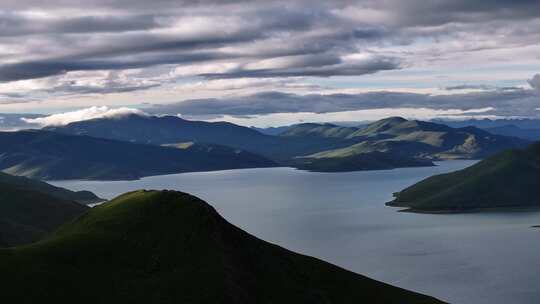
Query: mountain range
172, 130
528, 129
507, 179
49, 155
512, 130
385, 144
404, 142
171, 247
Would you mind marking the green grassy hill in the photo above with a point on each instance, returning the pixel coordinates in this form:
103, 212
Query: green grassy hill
508, 179
170, 247
360, 162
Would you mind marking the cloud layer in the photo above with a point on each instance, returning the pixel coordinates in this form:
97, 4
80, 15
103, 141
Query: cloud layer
516, 102
135, 51
63, 119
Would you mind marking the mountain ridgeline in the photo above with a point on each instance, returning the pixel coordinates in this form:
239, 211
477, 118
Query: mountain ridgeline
171, 247
50, 155
30, 209
397, 142
385, 144
418, 139
171, 130
506, 180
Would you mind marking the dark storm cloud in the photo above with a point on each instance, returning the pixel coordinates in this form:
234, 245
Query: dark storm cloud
87, 52
421, 12
517, 102
320, 67
290, 27
13, 24
44, 68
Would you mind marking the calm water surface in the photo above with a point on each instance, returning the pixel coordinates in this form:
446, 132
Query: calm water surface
472, 258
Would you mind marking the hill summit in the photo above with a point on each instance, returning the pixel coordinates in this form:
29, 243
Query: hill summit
171, 247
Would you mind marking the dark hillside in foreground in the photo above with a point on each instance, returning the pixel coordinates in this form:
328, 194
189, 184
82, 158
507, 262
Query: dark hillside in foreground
170, 247
508, 179
31, 209
20, 182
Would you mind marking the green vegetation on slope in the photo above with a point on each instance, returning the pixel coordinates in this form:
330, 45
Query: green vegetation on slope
419, 139
360, 162
508, 179
170, 247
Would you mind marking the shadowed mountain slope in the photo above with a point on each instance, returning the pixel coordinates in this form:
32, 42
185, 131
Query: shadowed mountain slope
82, 197
31, 209
49, 155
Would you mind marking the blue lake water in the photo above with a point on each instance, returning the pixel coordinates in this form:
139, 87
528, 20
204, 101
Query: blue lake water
474, 258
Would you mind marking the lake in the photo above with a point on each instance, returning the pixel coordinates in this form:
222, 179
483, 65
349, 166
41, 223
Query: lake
473, 258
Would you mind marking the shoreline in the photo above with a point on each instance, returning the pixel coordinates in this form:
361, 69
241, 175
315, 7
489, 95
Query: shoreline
471, 210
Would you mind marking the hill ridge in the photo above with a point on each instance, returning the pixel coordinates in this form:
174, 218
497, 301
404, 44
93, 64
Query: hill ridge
171, 247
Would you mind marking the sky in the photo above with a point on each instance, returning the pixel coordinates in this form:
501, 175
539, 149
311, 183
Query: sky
268, 63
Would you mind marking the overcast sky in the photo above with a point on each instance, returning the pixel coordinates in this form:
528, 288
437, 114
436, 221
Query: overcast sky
273, 62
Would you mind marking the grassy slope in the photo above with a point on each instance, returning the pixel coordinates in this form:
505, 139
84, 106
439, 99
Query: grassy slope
170, 247
508, 179
359, 162
423, 139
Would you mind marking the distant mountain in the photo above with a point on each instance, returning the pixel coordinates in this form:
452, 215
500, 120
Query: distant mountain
508, 179
310, 145
164, 130
492, 123
318, 131
171, 129
31, 209
419, 139
271, 130
49, 155
170, 247
512, 130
